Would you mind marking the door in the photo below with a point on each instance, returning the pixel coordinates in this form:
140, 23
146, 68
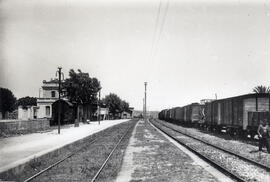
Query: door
254, 118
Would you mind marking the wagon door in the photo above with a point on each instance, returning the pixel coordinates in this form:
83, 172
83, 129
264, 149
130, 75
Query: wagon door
264, 116
254, 118
219, 114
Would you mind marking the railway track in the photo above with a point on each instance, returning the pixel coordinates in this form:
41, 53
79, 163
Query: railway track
56, 163
98, 172
208, 159
265, 167
110, 155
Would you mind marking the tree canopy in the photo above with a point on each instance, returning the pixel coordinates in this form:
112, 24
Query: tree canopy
124, 106
115, 104
81, 88
27, 101
7, 101
261, 89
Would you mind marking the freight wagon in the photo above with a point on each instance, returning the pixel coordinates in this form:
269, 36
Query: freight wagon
189, 114
238, 115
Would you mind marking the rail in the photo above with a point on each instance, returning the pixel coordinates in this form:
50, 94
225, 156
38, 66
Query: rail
205, 158
223, 149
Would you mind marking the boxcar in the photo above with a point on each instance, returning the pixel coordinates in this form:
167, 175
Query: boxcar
238, 114
189, 114
161, 114
178, 114
165, 114
169, 112
172, 114
192, 113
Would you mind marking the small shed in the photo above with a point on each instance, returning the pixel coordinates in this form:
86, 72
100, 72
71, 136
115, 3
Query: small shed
67, 111
126, 115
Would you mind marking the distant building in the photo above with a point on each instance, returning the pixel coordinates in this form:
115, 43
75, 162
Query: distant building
150, 114
27, 113
104, 113
47, 96
127, 114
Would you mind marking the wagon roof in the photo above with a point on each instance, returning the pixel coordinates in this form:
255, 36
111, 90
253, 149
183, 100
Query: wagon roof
253, 95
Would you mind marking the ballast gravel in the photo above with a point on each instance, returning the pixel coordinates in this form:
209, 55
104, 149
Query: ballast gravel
243, 169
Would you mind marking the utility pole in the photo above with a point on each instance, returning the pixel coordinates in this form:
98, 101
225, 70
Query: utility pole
59, 97
99, 107
145, 109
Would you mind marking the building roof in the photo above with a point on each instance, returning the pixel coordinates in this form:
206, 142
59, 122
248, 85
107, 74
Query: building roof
67, 102
51, 81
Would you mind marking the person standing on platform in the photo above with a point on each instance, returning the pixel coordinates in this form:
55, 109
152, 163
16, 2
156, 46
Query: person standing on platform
263, 133
268, 138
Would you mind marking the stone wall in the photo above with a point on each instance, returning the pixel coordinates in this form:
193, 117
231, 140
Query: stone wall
23, 126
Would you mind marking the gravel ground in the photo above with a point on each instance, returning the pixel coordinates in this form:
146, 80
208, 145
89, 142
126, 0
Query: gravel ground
238, 147
150, 157
245, 170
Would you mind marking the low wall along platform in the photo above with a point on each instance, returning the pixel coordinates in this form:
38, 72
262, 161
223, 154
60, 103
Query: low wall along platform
23, 126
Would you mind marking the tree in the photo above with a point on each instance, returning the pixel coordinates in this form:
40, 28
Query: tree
27, 101
7, 101
81, 89
124, 106
113, 102
261, 89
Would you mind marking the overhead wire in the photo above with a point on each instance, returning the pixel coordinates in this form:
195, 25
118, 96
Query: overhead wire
158, 31
155, 30
161, 28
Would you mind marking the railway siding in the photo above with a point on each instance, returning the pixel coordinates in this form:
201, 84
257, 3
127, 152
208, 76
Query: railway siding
151, 157
243, 169
84, 165
87, 155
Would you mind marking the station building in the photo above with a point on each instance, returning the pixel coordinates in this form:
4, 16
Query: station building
48, 95
47, 107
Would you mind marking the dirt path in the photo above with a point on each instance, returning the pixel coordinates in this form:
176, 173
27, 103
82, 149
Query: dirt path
150, 157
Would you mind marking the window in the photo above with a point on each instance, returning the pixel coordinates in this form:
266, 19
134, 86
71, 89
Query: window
53, 93
35, 113
47, 110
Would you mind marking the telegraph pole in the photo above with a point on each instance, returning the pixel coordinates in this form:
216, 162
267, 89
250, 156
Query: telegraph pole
145, 109
99, 107
59, 97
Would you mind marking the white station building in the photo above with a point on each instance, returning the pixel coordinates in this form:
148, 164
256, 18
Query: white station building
48, 95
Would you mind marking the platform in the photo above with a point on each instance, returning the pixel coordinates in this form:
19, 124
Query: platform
150, 156
21, 149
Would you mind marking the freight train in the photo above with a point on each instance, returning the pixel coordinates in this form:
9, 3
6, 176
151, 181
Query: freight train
238, 115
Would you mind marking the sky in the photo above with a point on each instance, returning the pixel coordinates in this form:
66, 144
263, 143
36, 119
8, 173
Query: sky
185, 50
